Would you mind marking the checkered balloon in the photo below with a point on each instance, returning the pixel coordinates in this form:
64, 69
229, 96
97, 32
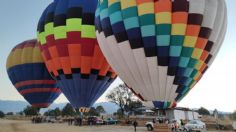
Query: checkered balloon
160, 48
66, 32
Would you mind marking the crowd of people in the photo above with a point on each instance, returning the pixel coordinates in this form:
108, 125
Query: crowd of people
47, 119
38, 119
78, 121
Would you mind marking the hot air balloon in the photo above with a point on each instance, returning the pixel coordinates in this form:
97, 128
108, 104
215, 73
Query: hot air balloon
70, 50
29, 75
160, 48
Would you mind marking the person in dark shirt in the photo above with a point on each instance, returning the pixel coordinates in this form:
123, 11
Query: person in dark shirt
153, 121
135, 124
182, 122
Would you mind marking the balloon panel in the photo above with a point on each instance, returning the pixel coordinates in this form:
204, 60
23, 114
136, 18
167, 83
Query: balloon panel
159, 105
161, 48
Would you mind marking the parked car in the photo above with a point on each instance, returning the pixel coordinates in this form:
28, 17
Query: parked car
93, 120
195, 125
99, 121
110, 121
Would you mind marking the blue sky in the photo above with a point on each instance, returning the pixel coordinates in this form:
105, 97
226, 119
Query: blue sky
217, 88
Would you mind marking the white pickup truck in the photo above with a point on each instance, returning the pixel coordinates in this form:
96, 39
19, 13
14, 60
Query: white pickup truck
172, 124
149, 125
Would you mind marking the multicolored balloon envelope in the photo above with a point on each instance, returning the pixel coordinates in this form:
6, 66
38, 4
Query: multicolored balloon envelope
66, 32
28, 73
158, 105
160, 48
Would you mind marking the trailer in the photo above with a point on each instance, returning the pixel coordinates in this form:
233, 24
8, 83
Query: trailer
181, 114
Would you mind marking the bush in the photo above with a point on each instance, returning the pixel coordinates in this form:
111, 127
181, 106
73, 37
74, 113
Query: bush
203, 111
2, 115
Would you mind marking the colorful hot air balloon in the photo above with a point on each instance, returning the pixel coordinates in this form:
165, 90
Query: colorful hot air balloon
70, 50
28, 73
160, 48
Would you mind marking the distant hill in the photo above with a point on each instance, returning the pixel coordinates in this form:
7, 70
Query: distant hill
17, 106
110, 108
12, 106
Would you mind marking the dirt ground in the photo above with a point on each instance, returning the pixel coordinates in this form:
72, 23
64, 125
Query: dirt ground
27, 126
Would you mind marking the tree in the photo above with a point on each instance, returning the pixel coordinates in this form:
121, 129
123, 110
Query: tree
10, 113
20, 113
233, 116
46, 113
2, 115
95, 111
68, 110
118, 113
31, 111
133, 107
55, 112
100, 109
92, 112
123, 97
203, 111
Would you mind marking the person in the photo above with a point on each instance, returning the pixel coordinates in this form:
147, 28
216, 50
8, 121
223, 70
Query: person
153, 121
33, 119
173, 126
182, 122
68, 119
80, 121
71, 121
166, 121
159, 120
135, 125
76, 121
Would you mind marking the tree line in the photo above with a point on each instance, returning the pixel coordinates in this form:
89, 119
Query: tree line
67, 110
